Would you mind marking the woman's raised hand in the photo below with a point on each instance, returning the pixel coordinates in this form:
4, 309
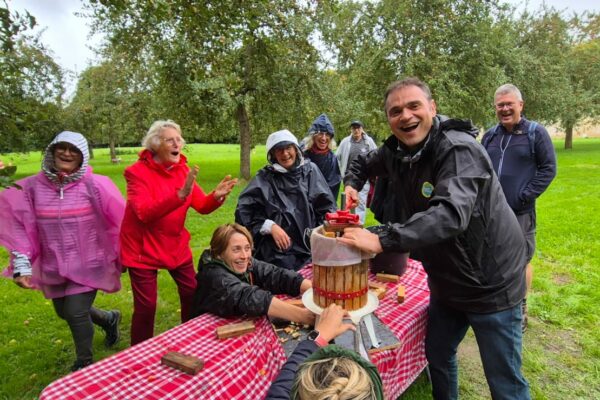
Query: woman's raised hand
224, 187
189, 183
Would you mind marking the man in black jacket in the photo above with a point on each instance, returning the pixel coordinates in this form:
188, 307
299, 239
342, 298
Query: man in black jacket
448, 211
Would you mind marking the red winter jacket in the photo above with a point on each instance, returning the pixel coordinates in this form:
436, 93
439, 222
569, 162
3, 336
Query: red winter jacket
153, 234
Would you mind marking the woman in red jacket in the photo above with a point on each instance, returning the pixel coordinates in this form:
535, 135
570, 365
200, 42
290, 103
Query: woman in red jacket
160, 190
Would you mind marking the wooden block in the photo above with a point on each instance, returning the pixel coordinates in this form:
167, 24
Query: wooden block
401, 294
380, 293
388, 278
375, 285
188, 364
233, 330
295, 302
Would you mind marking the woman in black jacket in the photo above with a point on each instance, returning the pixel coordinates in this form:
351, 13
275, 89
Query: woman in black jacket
232, 283
283, 202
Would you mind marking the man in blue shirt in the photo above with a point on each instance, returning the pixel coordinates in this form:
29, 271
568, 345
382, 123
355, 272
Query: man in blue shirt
523, 157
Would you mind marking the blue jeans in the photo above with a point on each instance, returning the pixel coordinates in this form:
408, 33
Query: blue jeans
499, 338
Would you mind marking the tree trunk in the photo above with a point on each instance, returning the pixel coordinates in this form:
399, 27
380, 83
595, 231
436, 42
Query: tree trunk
111, 145
569, 136
245, 141
91, 150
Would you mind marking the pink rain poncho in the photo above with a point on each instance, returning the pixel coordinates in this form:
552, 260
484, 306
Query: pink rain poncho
70, 235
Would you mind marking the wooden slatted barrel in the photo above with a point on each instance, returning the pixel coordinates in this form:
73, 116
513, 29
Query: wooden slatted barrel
344, 283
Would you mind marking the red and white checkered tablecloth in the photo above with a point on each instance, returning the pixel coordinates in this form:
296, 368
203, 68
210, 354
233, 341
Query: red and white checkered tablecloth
242, 367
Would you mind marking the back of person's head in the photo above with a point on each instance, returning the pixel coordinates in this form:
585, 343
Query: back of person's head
222, 235
334, 378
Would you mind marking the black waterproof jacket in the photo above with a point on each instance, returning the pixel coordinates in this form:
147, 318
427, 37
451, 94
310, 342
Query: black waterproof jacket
445, 205
225, 293
296, 200
328, 165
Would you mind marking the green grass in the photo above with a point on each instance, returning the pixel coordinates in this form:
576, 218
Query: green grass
561, 352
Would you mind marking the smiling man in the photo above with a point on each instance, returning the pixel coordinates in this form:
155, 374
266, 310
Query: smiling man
445, 206
523, 157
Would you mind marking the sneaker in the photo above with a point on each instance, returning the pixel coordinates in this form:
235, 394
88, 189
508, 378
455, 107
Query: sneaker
79, 364
524, 317
112, 330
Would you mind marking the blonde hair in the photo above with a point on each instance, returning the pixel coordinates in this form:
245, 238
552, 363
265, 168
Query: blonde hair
152, 139
310, 141
335, 378
222, 235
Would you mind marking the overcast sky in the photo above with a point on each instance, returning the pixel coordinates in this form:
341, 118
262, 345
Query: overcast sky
67, 35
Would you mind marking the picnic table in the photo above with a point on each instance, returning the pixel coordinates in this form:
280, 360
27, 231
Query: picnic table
243, 367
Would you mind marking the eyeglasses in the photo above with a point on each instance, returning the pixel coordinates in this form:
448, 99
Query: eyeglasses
321, 134
282, 149
174, 140
501, 106
63, 147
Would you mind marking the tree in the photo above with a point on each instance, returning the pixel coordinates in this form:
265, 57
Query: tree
583, 74
109, 107
250, 62
31, 86
452, 45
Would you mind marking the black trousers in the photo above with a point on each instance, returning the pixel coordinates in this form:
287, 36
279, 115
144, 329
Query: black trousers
77, 310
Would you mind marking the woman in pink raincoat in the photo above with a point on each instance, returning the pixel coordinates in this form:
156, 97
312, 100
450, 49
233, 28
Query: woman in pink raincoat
61, 230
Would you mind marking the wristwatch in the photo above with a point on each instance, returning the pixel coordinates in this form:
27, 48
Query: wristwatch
317, 338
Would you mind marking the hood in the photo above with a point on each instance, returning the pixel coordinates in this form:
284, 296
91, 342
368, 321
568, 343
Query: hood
462, 125
59, 178
281, 137
74, 138
322, 124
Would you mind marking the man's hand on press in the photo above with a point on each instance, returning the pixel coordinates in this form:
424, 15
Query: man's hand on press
361, 239
351, 197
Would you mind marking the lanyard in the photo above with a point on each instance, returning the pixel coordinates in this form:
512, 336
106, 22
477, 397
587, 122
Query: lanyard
503, 148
